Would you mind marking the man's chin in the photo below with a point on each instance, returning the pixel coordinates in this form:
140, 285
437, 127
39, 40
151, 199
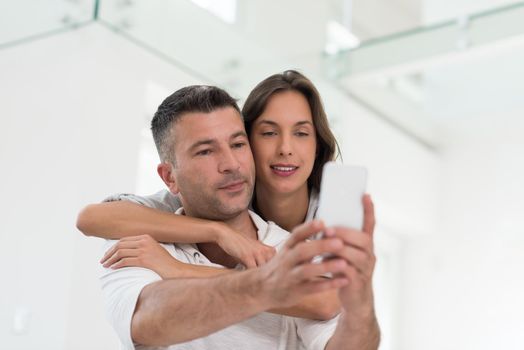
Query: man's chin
232, 209
231, 212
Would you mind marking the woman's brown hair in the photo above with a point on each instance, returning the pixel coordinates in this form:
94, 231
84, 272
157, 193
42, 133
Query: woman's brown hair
327, 146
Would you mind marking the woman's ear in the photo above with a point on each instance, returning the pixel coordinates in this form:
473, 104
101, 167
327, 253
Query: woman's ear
167, 174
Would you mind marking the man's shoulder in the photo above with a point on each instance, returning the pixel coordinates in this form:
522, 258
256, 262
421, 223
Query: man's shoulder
163, 200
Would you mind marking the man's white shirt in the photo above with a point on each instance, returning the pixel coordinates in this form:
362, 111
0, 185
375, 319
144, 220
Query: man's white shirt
121, 288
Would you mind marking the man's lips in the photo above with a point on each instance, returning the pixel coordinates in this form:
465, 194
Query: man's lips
233, 186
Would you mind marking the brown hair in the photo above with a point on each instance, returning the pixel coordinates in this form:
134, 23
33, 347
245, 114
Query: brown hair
327, 146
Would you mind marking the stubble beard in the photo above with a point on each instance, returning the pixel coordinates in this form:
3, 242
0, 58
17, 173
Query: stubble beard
209, 202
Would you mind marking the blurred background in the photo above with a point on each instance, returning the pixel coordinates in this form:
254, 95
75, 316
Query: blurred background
427, 94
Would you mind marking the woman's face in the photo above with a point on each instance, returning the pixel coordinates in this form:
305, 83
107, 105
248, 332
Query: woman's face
283, 141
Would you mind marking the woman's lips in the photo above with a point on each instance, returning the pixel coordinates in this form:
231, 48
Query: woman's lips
283, 170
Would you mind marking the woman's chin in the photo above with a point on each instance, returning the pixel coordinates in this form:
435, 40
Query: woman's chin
282, 187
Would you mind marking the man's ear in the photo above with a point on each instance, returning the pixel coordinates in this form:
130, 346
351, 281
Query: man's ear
166, 172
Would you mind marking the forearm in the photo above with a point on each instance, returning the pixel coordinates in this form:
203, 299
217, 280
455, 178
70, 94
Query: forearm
183, 270
179, 310
321, 306
115, 220
362, 332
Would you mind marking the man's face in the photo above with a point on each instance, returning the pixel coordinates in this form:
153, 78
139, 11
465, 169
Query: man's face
214, 171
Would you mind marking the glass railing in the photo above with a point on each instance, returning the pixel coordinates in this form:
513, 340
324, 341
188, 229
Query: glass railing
233, 54
465, 32
446, 77
24, 20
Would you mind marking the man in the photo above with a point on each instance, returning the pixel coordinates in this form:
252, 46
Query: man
206, 159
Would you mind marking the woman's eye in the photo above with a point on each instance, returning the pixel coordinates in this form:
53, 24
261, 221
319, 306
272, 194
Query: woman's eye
301, 133
269, 133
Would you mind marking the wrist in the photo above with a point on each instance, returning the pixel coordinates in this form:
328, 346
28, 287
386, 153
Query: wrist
363, 333
359, 318
215, 231
256, 288
173, 270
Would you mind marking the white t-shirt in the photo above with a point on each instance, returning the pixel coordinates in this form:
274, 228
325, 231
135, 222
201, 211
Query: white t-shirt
122, 287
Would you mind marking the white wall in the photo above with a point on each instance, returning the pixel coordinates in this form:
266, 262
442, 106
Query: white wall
402, 172
376, 18
403, 178
72, 111
464, 286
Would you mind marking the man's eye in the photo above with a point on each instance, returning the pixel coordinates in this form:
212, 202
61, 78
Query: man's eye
239, 145
204, 152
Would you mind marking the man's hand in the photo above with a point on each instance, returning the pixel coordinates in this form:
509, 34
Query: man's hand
291, 274
250, 252
357, 326
178, 310
359, 253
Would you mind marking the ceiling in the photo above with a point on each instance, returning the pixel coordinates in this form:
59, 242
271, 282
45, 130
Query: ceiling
425, 65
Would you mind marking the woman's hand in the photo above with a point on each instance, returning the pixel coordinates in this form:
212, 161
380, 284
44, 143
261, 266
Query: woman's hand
143, 251
248, 251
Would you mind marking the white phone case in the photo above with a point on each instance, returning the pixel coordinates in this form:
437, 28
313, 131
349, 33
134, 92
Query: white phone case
341, 191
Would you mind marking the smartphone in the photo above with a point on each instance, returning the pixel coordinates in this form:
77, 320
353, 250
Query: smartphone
341, 191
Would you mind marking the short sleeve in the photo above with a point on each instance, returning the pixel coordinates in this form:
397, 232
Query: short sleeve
121, 289
314, 334
162, 200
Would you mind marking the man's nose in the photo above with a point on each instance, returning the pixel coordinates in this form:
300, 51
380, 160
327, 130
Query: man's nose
228, 162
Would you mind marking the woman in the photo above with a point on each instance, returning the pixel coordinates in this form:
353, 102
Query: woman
291, 141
